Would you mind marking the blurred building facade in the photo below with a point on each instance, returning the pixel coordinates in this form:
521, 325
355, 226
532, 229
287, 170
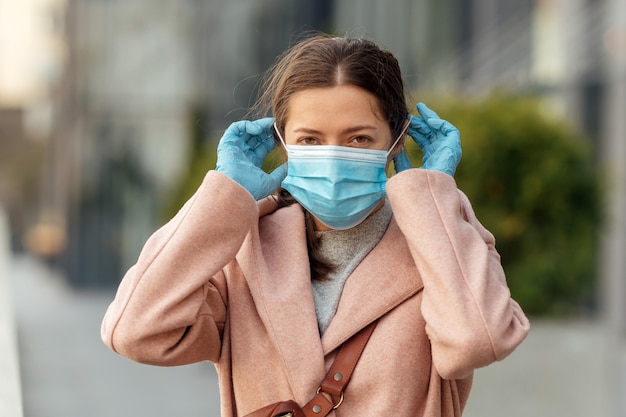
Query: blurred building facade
136, 74
32, 51
137, 70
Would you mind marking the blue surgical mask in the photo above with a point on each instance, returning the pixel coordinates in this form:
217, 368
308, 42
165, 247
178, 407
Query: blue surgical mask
339, 185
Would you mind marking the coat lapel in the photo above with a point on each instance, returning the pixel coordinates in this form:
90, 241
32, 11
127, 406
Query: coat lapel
384, 279
278, 275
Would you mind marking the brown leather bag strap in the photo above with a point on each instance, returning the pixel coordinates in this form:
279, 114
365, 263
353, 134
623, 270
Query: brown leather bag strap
284, 408
333, 384
339, 374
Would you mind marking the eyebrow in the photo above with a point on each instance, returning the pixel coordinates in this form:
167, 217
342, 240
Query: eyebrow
351, 129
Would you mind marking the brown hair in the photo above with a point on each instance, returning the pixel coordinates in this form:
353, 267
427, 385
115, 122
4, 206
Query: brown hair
325, 61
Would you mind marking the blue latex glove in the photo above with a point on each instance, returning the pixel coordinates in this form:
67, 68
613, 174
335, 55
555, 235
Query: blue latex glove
440, 142
241, 152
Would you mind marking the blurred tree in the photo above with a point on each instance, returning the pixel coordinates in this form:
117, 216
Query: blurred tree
202, 158
107, 216
532, 181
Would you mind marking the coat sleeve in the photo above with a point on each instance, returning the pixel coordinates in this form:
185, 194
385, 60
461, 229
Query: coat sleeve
170, 307
471, 319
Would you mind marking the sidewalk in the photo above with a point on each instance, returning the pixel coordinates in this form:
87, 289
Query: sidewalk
562, 369
68, 372
573, 369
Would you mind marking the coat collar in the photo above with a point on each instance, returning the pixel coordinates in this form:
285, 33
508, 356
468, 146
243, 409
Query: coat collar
386, 277
279, 279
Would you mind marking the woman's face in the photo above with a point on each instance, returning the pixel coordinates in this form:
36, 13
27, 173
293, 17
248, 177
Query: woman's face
344, 115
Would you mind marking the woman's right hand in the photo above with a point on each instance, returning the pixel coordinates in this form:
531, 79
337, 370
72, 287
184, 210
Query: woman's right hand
241, 152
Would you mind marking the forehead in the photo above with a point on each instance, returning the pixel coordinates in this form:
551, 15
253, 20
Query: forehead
339, 104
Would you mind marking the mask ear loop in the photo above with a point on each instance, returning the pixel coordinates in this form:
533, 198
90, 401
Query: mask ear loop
402, 134
280, 137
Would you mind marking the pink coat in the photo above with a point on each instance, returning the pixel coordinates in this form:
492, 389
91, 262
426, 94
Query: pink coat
227, 280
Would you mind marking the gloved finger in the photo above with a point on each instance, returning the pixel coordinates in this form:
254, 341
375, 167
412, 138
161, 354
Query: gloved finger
265, 124
259, 133
260, 127
279, 174
425, 112
448, 129
263, 147
421, 133
419, 125
233, 132
235, 142
430, 118
401, 162
435, 122
445, 160
270, 182
442, 129
247, 128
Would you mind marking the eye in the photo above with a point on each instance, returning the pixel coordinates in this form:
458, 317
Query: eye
307, 140
361, 140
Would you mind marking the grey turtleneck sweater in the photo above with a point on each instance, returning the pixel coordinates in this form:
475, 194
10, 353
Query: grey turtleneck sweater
345, 249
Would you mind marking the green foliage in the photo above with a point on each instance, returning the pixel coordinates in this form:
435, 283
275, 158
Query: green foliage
533, 184
202, 159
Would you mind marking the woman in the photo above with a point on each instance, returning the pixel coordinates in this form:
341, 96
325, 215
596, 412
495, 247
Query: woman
268, 287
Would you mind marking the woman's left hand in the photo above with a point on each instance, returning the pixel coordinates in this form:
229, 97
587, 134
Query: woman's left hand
440, 142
